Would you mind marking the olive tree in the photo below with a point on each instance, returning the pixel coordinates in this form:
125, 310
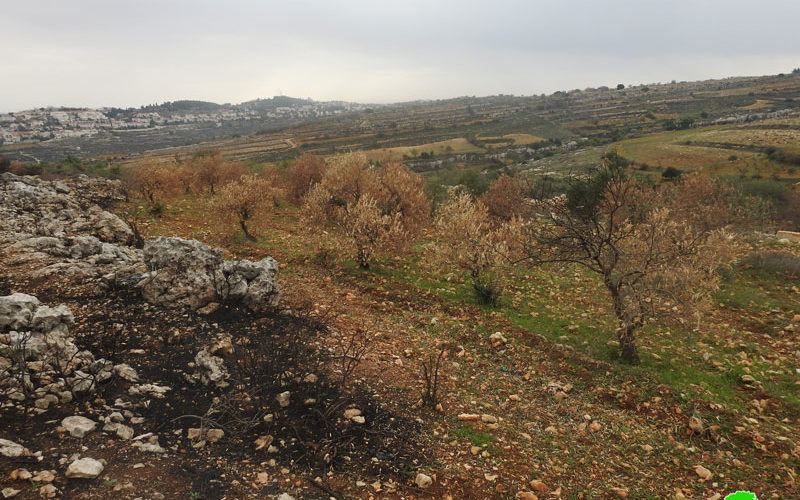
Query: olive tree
656, 251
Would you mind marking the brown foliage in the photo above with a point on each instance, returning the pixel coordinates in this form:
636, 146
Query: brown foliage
656, 251
373, 209
209, 170
471, 240
245, 199
506, 198
152, 182
306, 172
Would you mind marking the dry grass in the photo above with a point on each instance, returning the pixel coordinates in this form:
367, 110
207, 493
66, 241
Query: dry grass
456, 146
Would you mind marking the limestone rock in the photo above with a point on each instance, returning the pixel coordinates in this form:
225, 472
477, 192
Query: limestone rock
497, 339
283, 399
78, 426
424, 481
211, 369
16, 311
9, 492
84, 468
11, 449
188, 273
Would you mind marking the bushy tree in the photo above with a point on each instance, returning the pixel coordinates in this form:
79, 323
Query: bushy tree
306, 172
209, 170
245, 199
470, 240
374, 209
368, 229
152, 182
656, 251
506, 197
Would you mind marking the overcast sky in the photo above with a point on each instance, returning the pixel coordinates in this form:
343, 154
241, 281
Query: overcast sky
128, 53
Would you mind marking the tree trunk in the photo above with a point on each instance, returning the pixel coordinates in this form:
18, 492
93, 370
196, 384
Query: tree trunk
246, 232
627, 344
627, 328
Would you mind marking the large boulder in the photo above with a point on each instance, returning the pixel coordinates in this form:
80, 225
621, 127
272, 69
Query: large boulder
188, 273
183, 273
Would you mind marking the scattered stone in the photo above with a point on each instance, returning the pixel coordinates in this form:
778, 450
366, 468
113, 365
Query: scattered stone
285, 496
20, 474
263, 442
211, 369
704, 473
48, 491
78, 426
151, 446
358, 419
538, 486
214, 435
9, 492
352, 412
262, 478
469, 417
696, 425
154, 390
84, 468
121, 430
11, 449
44, 476
526, 495
424, 481
283, 399
497, 339
125, 371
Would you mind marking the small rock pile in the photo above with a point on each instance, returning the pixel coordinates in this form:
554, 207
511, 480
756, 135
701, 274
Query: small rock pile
38, 358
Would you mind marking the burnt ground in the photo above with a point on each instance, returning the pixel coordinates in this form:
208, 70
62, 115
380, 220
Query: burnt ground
266, 356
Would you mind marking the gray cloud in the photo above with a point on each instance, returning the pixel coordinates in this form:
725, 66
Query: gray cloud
96, 53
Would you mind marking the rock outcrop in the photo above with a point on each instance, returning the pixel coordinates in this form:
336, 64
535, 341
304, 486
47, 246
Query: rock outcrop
51, 224
191, 274
56, 228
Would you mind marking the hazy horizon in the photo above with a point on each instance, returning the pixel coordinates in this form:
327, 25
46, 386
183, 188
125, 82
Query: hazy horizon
92, 53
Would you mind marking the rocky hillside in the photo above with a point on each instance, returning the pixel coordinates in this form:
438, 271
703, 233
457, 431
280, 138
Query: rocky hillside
140, 372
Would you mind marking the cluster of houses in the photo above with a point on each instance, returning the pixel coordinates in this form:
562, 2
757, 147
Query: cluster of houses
44, 124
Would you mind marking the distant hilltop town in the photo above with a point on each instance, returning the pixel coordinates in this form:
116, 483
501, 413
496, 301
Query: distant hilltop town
44, 124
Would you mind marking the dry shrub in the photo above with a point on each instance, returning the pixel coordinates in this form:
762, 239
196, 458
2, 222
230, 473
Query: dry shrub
244, 199
469, 239
368, 230
152, 182
506, 198
209, 170
401, 191
374, 210
306, 172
